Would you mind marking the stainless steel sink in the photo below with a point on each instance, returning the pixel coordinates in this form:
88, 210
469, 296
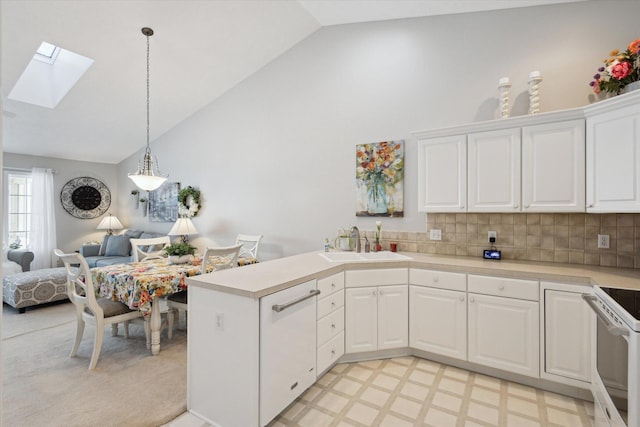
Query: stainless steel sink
362, 256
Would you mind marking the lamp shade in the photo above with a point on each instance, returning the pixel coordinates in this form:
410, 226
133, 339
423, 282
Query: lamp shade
110, 223
183, 227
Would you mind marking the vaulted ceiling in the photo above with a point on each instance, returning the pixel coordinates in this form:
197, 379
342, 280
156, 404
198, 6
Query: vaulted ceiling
200, 50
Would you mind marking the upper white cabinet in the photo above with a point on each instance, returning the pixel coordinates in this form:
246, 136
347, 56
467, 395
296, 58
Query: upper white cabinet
613, 155
553, 173
442, 183
523, 164
494, 171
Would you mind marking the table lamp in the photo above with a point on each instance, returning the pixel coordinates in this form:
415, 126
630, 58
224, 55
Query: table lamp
110, 223
183, 227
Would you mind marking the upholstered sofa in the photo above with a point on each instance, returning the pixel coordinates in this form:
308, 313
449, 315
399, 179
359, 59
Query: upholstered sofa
114, 249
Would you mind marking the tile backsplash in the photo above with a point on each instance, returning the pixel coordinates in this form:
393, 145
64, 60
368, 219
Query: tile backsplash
564, 237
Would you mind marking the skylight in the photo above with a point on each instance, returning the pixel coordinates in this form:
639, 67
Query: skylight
50, 75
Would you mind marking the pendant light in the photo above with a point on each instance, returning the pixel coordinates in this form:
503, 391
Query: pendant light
145, 178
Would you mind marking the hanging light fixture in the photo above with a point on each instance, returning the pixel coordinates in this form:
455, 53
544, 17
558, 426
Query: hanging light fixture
145, 178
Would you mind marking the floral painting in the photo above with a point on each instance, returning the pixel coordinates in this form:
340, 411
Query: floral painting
380, 179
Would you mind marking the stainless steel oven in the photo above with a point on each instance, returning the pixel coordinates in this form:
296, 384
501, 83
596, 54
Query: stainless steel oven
615, 383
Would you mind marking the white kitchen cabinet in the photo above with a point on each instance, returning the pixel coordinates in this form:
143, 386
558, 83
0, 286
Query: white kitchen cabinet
376, 318
438, 312
503, 324
442, 174
330, 326
438, 321
494, 171
567, 326
553, 170
531, 163
613, 156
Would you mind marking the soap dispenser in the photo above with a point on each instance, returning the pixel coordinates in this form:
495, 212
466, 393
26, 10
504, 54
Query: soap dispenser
367, 246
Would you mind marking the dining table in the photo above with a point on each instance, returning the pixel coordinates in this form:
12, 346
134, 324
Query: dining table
141, 285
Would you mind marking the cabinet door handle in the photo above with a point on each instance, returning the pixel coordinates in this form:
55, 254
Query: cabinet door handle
472, 299
461, 298
373, 293
380, 292
461, 206
333, 304
526, 206
590, 205
515, 206
333, 325
435, 279
501, 287
333, 285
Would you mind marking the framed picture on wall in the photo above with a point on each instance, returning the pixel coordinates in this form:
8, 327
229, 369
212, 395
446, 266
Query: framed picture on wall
380, 179
163, 203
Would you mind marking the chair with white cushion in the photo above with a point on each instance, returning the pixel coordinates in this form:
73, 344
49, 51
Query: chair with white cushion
90, 309
214, 259
249, 250
148, 249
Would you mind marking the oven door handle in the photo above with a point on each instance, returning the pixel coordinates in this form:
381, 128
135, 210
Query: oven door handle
611, 327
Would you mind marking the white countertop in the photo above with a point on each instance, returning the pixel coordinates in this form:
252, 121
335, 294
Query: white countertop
258, 280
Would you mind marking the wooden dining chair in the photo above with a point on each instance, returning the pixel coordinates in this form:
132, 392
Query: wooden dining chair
90, 309
214, 259
147, 249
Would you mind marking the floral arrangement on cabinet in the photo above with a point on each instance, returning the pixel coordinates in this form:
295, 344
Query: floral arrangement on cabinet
619, 70
380, 179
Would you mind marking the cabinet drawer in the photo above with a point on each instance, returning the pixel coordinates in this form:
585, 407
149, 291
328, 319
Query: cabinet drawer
331, 284
379, 277
504, 287
328, 304
330, 325
330, 352
438, 279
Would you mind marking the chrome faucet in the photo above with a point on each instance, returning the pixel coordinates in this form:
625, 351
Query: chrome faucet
354, 231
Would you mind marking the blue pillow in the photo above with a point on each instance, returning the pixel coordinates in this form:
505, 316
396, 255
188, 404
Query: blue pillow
118, 246
103, 246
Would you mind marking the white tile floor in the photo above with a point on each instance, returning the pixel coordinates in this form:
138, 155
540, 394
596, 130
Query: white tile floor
410, 391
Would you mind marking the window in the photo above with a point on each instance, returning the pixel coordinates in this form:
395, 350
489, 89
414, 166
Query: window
18, 207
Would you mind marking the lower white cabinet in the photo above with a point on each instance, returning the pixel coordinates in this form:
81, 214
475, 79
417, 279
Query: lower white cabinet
568, 325
330, 326
376, 318
504, 330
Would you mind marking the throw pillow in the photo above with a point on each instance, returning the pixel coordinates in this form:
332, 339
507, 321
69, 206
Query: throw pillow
103, 246
133, 234
118, 246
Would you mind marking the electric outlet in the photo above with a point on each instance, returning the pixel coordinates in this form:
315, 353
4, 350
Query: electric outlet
603, 241
492, 234
435, 234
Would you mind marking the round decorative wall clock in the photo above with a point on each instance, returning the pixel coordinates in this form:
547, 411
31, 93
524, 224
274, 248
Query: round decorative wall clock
85, 197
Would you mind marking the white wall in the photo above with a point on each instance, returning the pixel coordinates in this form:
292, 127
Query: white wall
71, 232
275, 155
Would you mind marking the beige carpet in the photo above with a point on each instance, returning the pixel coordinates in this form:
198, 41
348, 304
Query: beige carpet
42, 386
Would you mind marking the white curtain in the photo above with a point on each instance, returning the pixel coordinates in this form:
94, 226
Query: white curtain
42, 239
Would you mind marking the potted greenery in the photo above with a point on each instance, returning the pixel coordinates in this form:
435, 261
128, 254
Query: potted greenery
180, 253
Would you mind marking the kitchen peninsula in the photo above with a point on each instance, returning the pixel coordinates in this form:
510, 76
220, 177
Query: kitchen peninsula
257, 334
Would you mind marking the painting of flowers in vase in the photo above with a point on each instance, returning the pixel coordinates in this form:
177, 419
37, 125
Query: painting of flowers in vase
380, 179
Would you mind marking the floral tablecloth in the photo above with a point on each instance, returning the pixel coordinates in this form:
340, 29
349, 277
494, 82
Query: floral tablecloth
137, 283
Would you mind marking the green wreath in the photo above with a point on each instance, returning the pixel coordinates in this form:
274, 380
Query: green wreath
183, 196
